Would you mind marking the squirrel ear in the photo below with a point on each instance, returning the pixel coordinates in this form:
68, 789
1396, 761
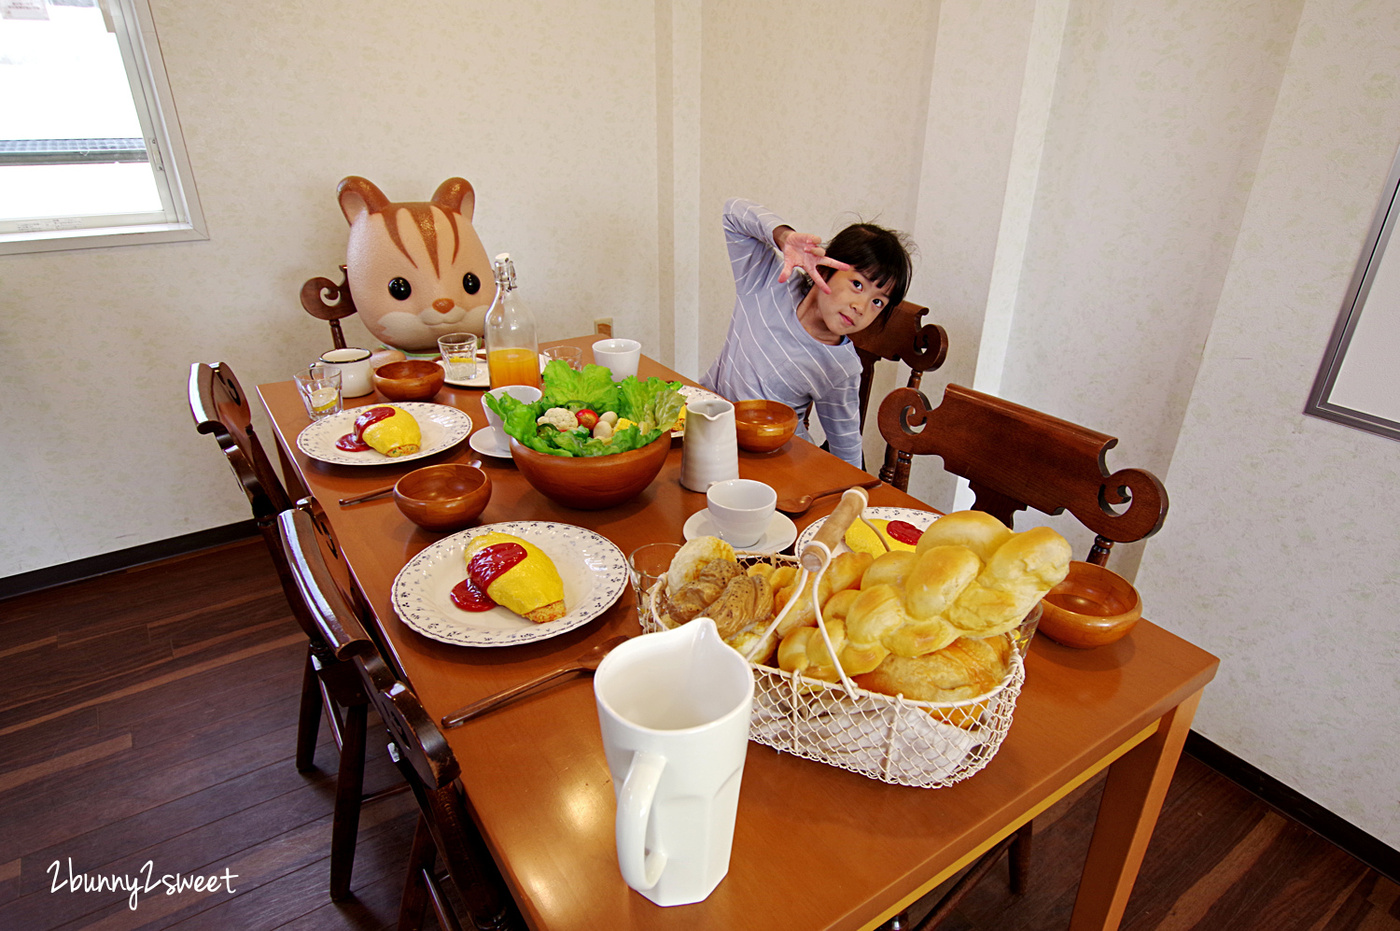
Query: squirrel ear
359, 196
456, 194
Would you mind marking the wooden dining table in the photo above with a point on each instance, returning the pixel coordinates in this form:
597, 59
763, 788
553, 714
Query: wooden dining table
815, 846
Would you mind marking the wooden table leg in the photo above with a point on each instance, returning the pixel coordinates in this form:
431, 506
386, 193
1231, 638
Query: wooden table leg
1132, 798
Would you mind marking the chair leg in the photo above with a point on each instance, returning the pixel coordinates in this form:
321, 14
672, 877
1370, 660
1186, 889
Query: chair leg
415, 889
308, 717
348, 792
1020, 858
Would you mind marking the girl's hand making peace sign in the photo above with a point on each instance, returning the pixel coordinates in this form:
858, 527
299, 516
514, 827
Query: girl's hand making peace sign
804, 251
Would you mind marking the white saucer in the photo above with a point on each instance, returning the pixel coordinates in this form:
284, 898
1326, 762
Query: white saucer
779, 535
483, 441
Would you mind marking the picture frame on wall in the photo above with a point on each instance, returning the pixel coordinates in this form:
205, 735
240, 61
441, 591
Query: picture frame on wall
1359, 382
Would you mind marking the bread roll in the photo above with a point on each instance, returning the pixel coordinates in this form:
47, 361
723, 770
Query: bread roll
844, 571
890, 569
980, 532
804, 651
692, 556
940, 574
1018, 575
963, 670
877, 612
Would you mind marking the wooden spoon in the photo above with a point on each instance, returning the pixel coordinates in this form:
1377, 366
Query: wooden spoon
584, 662
800, 504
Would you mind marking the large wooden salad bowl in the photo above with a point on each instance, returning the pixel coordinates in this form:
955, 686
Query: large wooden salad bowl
591, 483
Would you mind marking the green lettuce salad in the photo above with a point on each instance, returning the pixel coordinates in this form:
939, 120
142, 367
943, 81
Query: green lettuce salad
643, 409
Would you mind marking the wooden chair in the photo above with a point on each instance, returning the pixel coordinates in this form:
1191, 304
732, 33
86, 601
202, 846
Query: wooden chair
329, 683
1013, 458
336, 639
415, 745
902, 337
445, 829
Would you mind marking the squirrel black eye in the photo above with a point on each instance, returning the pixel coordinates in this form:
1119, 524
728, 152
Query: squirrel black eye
470, 283
400, 289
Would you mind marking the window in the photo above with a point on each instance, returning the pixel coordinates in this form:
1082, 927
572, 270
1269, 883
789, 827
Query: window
90, 150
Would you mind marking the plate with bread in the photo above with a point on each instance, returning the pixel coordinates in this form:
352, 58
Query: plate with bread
509, 583
925, 675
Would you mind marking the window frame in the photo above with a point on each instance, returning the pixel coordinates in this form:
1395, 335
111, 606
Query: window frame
135, 31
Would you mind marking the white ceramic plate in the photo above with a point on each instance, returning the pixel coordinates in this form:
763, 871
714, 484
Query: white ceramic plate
920, 519
483, 441
780, 533
442, 426
483, 376
593, 570
692, 393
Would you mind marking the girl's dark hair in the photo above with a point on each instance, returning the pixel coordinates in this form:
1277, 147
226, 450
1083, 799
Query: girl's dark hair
877, 253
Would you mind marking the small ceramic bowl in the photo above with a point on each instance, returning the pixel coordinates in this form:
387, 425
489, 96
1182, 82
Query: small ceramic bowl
443, 497
591, 483
1091, 607
763, 426
409, 380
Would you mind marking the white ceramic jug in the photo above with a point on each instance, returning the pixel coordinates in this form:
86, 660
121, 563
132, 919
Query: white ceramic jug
674, 711
710, 451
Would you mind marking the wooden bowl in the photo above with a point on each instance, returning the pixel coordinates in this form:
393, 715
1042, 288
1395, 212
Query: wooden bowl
443, 497
763, 426
591, 483
409, 380
1091, 607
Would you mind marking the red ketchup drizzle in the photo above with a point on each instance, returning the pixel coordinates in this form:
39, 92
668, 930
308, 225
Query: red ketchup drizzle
351, 442
903, 531
485, 567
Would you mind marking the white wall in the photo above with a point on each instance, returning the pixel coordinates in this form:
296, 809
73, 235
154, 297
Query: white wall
1102, 188
1281, 553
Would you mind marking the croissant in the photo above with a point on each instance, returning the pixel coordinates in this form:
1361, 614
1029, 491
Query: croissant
688, 602
745, 600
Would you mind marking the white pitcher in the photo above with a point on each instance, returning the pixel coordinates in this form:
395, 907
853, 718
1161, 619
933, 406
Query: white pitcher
710, 451
674, 711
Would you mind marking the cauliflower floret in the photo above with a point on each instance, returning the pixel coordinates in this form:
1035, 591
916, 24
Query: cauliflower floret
560, 418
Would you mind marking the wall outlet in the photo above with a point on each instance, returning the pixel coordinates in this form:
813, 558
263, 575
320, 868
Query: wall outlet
602, 326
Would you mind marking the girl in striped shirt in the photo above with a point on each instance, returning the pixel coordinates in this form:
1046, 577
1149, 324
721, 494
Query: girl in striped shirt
788, 338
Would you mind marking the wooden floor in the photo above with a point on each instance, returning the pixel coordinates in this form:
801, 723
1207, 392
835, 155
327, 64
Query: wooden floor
147, 717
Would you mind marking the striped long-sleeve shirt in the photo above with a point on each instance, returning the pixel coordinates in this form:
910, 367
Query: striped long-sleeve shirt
767, 353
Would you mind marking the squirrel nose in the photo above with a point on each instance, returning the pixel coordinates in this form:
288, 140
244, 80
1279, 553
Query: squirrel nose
443, 305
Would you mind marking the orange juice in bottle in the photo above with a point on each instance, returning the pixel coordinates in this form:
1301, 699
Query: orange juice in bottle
512, 351
513, 367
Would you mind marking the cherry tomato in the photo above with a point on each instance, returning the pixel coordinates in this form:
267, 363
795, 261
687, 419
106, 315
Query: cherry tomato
587, 418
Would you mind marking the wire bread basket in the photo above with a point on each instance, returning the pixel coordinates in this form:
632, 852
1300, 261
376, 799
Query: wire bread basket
885, 737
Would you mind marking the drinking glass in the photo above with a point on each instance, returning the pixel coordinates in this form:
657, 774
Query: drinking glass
458, 355
319, 387
648, 564
570, 354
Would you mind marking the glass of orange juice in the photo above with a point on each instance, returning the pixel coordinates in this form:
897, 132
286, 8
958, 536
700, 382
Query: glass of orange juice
513, 367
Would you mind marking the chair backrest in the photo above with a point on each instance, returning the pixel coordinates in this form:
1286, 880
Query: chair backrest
416, 745
901, 337
1014, 457
220, 407
326, 300
330, 618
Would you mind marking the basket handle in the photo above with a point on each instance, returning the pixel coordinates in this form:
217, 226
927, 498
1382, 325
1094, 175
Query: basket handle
817, 552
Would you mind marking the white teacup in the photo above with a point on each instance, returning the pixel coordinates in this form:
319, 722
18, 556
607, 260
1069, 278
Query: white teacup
619, 355
353, 365
674, 709
741, 509
525, 394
